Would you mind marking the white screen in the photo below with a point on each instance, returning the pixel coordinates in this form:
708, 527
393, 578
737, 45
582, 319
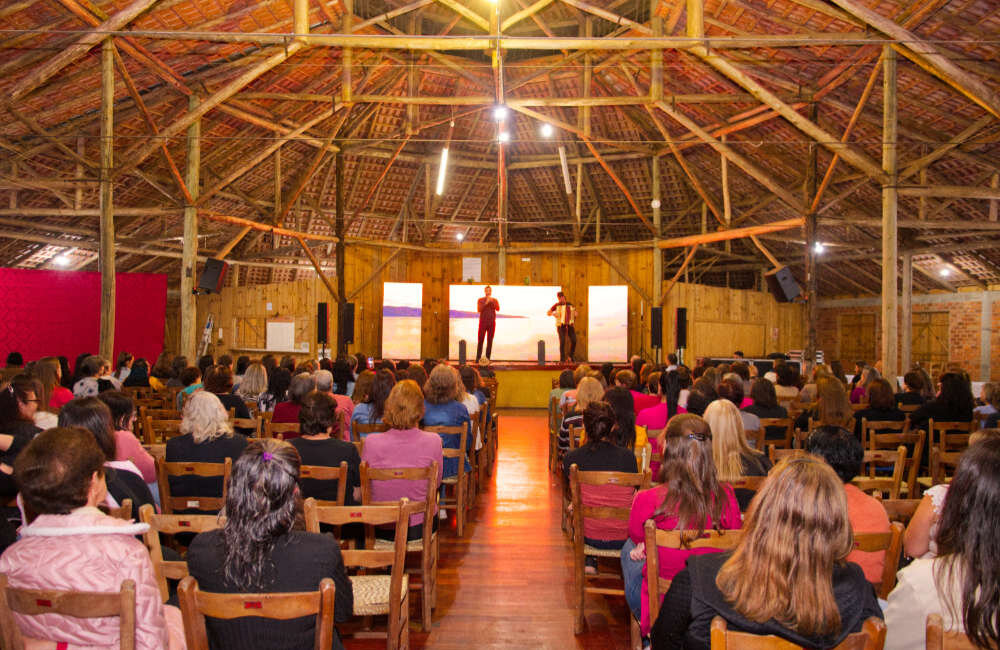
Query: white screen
607, 322
402, 308
521, 321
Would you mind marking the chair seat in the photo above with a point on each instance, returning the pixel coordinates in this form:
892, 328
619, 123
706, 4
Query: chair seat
412, 546
601, 552
452, 480
371, 594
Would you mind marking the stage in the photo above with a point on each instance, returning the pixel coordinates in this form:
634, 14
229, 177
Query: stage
525, 384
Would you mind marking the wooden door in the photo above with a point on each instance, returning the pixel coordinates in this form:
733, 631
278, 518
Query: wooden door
857, 338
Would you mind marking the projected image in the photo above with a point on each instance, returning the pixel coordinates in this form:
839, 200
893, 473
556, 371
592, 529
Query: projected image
521, 322
607, 322
402, 304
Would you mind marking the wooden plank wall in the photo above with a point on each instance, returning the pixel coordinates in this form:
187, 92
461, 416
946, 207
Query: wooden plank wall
718, 317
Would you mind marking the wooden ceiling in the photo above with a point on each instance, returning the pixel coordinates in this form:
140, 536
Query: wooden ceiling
772, 87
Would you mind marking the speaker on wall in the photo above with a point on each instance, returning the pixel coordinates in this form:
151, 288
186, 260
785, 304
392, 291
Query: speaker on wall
212, 276
682, 327
656, 327
782, 285
347, 322
322, 321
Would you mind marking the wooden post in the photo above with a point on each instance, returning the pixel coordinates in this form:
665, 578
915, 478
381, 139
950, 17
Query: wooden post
189, 260
812, 281
340, 249
657, 224
502, 265
994, 203
906, 312
106, 256
347, 54
577, 225
890, 315
655, 56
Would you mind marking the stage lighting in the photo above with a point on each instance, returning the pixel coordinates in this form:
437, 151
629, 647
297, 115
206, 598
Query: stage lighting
500, 113
547, 130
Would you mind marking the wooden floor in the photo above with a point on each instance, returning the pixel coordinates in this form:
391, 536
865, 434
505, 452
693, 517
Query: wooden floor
508, 583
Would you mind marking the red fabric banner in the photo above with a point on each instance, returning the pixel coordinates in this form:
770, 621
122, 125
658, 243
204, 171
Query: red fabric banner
52, 313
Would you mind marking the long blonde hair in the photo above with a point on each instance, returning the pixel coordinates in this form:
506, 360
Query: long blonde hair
729, 443
589, 390
205, 418
47, 371
795, 531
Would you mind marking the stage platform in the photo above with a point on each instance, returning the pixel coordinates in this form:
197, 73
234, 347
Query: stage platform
526, 384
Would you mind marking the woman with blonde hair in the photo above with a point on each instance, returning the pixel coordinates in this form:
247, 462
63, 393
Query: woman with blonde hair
206, 437
833, 408
587, 391
733, 457
254, 383
787, 576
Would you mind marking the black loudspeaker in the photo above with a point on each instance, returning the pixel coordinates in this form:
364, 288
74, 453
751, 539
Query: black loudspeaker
212, 276
541, 353
682, 328
782, 285
322, 320
346, 322
461, 352
656, 327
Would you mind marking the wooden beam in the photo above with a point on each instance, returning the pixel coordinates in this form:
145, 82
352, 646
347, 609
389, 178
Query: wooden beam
677, 274
189, 262
890, 231
340, 249
466, 13
950, 191
374, 274
527, 12
734, 233
625, 276
106, 255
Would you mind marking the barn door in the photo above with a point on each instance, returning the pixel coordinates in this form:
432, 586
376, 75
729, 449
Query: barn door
930, 339
857, 338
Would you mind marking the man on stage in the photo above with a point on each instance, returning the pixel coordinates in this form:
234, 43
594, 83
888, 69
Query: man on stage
487, 308
565, 314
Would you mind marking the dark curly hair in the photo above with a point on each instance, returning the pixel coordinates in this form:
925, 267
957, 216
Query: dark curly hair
599, 423
318, 414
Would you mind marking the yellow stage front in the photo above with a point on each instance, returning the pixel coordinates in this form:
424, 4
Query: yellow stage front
523, 388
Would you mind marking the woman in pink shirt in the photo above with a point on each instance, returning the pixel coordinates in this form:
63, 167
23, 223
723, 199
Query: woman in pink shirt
127, 446
404, 445
689, 497
656, 417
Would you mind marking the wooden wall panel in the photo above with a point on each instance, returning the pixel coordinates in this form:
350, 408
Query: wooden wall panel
729, 317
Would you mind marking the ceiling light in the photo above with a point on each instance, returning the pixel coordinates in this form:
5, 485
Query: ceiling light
945, 272
459, 236
655, 203
818, 248
442, 171
547, 130
500, 113
60, 260
504, 136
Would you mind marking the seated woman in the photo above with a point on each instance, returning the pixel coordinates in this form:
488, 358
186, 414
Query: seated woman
765, 401
733, 457
54, 394
362, 387
731, 389
61, 476
787, 386
787, 577
627, 434
371, 411
253, 384
206, 437
954, 402
18, 404
219, 380
832, 406
842, 451
960, 583
921, 531
989, 397
138, 375
190, 379
127, 446
288, 411
262, 548
668, 390
278, 381
320, 444
161, 372
442, 408
913, 386
881, 407
124, 479
404, 445
565, 383
588, 391
860, 390
343, 378
689, 497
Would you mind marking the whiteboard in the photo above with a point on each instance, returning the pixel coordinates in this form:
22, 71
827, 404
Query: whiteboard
281, 335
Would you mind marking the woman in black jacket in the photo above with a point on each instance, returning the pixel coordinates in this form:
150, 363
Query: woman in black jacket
954, 402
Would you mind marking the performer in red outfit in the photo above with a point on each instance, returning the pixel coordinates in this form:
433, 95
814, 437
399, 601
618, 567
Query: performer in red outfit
487, 308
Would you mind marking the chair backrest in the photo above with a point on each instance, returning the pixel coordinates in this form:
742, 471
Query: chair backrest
324, 473
554, 414
196, 605
164, 470
124, 511
883, 484
428, 474
943, 464
752, 483
279, 429
618, 486
366, 428
677, 539
642, 456
171, 525
787, 425
252, 424
892, 544
952, 436
908, 408
575, 437
916, 438
900, 510
938, 638
775, 454
462, 432
870, 427
159, 430
871, 637
77, 604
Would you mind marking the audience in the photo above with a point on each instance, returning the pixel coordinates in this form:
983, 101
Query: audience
954, 402
362, 388
733, 457
787, 386
278, 381
54, 394
372, 409
881, 406
442, 408
640, 402
689, 497
325, 384
253, 384
287, 412
960, 583
587, 391
319, 444
343, 378
626, 433
731, 389
990, 398
18, 403
124, 366
127, 446
92, 373
262, 548
912, 395
668, 390
832, 407
71, 545
138, 376
786, 577
190, 379
219, 381
764, 404
177, 366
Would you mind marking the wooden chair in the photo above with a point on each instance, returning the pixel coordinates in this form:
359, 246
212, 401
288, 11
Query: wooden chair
769, 425
754, 437
375, 594
458, 483
625, 486
943, 465
555, 419
154, 431
900, 510
279, 429
196, 605
938, 638
908, 408
655, 538
324, 473
211, 503
882, 484
892, 544
171, 525
77, 604
427, 547
951, 436
252, 424
871, 637
486, 455
361, 429
124, 511
881, 426
917, 439
775, 455
752, 483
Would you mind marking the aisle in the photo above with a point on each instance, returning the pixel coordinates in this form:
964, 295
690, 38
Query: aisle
508, 583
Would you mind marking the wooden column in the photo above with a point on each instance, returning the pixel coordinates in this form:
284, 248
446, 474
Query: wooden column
658, 225
890, 315
502, 265
339, 249
189, 259
347, 54
906, 315
812, 281
106, 255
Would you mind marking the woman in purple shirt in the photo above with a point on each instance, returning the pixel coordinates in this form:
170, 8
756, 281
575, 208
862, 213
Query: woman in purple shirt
404, 445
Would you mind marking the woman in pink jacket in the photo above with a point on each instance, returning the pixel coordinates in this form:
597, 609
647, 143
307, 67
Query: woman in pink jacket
71, 545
